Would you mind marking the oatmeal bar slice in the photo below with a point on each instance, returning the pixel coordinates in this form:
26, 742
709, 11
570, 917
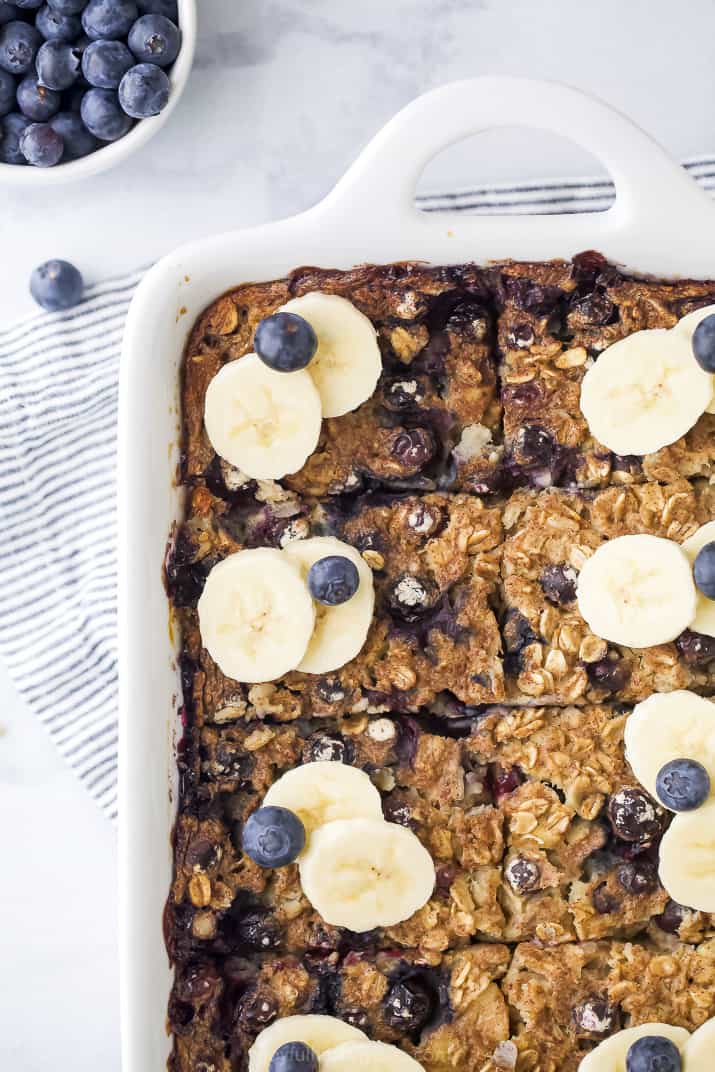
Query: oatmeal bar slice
447, 1015
550, 654
565, 1001
435, 417
435, 562
222, 903
556, 319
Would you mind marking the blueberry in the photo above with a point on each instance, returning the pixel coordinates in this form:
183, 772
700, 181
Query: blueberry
333, 580
104, 63
54, 26
12, 126
56, 285
406, 393
695, 649
67, 7
294, 1057
683, 784
28, 5
7, 93
259, 932
8, 12
102, 115
634, 816
411, 597
522, 874
285, 342
596, 1016
671, 918
169, 8
559, 584
704, 570
638, 877
273, 837
611, 674
653, 1053
144, 91
35, 101
58, 64
19, 43
78, 140
155, 39
328, 748
413, 448
407, 1006
41, 145
704, 343
109, 19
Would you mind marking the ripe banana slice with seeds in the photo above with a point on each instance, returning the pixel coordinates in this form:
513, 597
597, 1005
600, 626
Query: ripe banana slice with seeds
667, 726
645, 392
687, 325
704, 620
340, 631
265, 423
368, 1057
686, 858
321, 1033
320, 793
366, 873
347, 363
610, 1055
699, 1051
637, 591
256, 615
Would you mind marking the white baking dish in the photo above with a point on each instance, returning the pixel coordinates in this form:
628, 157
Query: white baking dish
660, 223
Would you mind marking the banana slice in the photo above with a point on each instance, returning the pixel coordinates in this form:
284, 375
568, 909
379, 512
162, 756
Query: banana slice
256, 615
704, 620
687, 325
347, 363
645, 392
637, 591
320, 793
265, 423
700, 1048
610, 1055
365, 873
673, 725
321, 1033
340, 631
368, 1057
686, 863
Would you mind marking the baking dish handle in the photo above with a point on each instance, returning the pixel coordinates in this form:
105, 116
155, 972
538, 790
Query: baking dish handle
657, 206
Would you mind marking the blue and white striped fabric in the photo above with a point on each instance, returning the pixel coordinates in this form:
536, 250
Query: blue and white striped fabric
58, 411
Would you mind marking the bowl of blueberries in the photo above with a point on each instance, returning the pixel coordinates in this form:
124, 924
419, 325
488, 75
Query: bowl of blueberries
84, 83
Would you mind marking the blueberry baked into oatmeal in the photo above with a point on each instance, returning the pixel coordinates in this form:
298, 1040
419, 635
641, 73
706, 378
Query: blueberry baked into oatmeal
446, 591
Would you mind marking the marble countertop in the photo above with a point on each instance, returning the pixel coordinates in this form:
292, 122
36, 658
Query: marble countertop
283, 96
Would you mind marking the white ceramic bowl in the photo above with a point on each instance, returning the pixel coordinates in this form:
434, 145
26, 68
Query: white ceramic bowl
114, 152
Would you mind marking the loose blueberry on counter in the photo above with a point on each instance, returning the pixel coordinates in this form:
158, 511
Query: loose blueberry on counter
294, 1057
653, 1053
54, 26
35, 101
56, 285
333, 580
58, 64
155, 39
78, 140
704, 570
109, 19
704, 343
683, 784
19, 43
273, 836
104, 63
12, 127
41, 145
285, 342
7, 93
102, 115
144, 91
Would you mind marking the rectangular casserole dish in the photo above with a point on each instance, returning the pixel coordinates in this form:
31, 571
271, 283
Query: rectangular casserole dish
661, 223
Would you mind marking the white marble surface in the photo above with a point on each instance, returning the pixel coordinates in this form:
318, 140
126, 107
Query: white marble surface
284, 94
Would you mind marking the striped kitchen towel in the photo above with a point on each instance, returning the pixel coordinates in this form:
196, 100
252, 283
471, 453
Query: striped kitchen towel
58, 413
